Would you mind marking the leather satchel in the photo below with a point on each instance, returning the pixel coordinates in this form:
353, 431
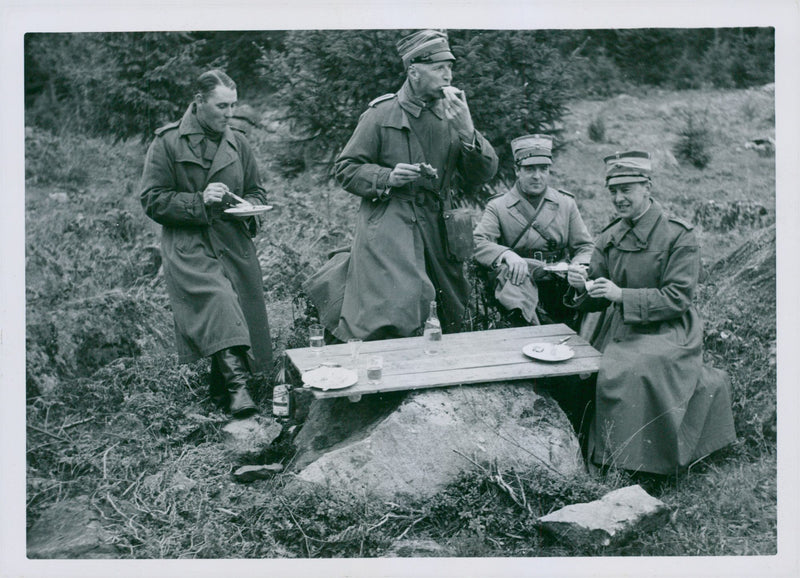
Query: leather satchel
459, 242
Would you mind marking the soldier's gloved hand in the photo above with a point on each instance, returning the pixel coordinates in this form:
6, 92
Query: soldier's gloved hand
214, 193
402, 174
457, 111
606, 288
577, 275
517, 266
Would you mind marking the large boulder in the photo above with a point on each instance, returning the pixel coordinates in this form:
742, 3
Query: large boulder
413, 445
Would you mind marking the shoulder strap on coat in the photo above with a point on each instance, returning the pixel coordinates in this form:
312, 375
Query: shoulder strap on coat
167, 127
566, 193
685, 224
382, 98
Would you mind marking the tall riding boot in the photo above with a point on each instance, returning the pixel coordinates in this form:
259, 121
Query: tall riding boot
233, 368
216, 384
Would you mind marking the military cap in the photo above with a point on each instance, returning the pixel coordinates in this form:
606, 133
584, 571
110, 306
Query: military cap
628, 167
424, 46
532, 149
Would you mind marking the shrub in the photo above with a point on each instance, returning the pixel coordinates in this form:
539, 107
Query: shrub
597, 129
694, 141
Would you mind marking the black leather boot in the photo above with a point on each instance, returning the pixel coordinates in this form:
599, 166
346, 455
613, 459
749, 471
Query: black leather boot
233, 368
216, 384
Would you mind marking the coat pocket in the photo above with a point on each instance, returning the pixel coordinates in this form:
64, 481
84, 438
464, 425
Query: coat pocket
377, 210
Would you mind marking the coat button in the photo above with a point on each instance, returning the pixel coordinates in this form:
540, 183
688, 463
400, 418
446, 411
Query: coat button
245, 255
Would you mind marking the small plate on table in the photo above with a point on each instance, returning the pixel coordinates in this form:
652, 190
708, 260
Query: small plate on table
248, 210
329, 377
548, 351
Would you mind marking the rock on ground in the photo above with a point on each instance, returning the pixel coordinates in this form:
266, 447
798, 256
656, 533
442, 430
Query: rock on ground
616, 517
415, 444
247, 439
70, 529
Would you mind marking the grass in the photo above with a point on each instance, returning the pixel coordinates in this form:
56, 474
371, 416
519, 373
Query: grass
112, 416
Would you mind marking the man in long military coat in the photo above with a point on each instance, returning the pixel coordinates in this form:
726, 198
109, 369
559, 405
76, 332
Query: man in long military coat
522, 230
658, 406
399, 263
211, 268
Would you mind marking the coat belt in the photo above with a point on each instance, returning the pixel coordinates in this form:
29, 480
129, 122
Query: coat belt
420, 197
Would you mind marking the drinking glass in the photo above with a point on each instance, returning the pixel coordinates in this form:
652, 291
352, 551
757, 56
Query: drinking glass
375, 369
316, 338
355, 347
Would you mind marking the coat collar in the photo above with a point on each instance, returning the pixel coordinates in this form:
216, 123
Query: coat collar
514, 196
641, 229
411, 104
522, 210
190, 128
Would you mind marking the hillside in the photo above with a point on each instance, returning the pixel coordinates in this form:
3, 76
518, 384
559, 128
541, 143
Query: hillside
112, 418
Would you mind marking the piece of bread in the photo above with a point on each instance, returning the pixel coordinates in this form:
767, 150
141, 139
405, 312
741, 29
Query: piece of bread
427, 170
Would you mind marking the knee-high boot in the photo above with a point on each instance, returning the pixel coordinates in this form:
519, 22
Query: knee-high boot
233, 368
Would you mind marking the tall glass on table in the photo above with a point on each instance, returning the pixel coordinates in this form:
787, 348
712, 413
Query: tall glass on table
316, 339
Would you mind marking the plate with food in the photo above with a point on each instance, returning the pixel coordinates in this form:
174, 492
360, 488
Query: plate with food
548, 351
248, 210
329, 377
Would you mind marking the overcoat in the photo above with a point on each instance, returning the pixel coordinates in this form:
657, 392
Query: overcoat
211, 269
658, 406
558, 227
398, 263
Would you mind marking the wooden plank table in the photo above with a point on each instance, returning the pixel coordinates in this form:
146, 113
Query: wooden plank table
464, 358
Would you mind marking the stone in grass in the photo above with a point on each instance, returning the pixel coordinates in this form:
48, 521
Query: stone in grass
252, 473
613, 519
247, 438
70, 529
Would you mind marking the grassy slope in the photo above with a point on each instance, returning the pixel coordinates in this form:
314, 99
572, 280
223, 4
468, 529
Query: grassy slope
126, 434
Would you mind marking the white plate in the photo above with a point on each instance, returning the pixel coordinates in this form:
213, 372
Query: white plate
327, 377
248, 211
548, 351
560, 267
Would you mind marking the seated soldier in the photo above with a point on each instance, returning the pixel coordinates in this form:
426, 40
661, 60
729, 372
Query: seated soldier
525, 229
658, 406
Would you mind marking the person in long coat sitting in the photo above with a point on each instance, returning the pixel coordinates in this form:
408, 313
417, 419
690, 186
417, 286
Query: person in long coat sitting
658, 408
211, 268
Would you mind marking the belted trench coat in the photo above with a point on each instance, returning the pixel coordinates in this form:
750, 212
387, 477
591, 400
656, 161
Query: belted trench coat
211, 269
658, 406
398, 263
557, 227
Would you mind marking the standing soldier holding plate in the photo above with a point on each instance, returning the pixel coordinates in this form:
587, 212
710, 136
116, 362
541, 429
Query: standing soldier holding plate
195, 168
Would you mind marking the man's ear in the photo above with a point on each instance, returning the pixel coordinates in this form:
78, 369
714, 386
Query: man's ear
413, 72
198, 98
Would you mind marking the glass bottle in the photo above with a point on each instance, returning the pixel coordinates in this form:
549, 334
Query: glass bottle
281, 391
433, 332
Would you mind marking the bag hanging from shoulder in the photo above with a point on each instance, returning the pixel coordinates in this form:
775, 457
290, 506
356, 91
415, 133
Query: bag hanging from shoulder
459, 242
